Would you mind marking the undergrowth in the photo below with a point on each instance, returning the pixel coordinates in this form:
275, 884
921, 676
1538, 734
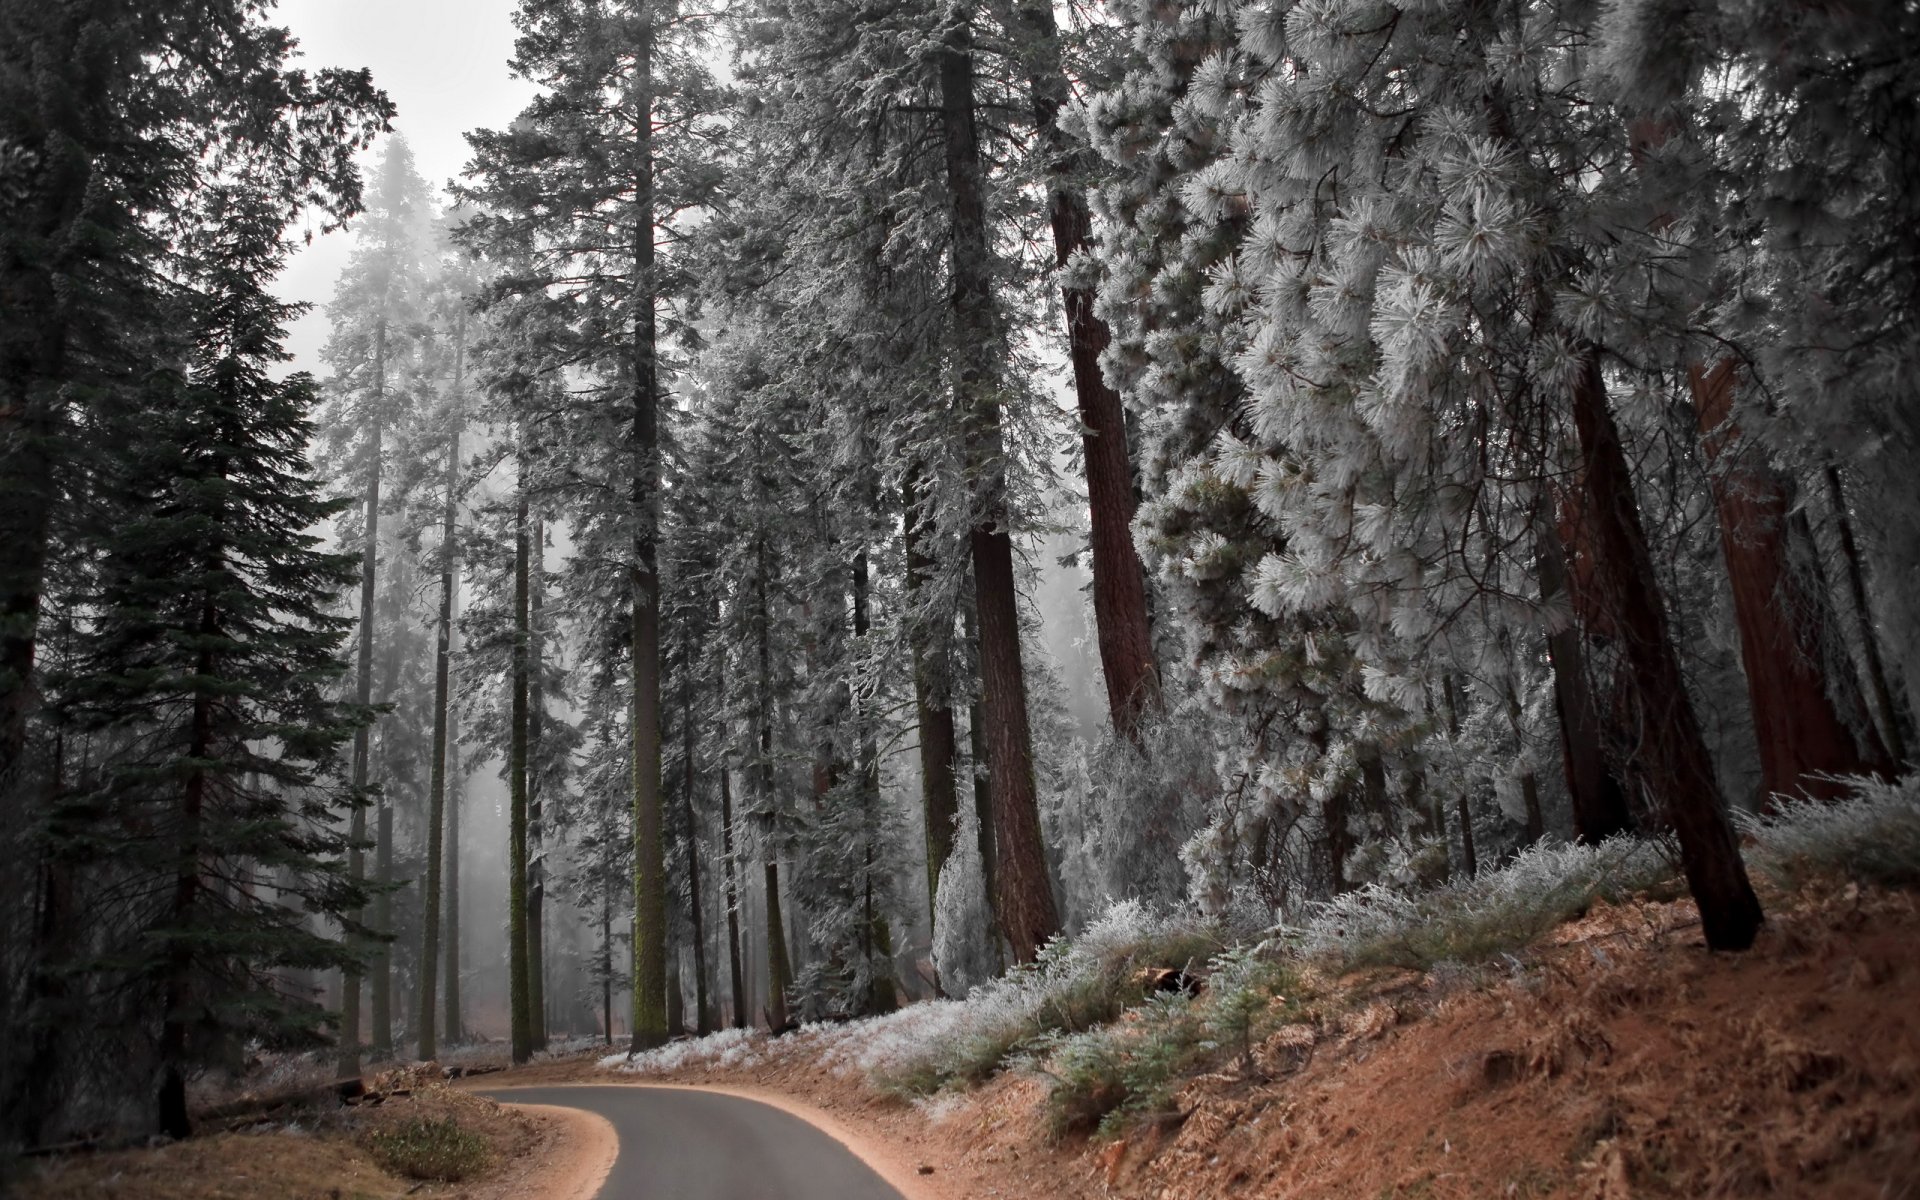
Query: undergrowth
1873, 837
1477, 918
1105, 1078
1074, 985
1085, 1017
428, 1148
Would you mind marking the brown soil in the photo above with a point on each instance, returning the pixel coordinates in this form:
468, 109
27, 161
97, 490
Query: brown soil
325, 1157
1624, 1061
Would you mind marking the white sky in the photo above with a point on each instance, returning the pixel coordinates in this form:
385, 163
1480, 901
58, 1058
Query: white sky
444, 63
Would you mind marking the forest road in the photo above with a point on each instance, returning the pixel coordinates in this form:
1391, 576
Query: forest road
684, 1144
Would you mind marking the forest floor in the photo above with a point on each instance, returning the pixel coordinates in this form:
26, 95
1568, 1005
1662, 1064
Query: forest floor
352, 1153
1619, 1059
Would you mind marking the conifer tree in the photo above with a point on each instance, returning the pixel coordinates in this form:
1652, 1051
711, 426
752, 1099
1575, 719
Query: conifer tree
212, 661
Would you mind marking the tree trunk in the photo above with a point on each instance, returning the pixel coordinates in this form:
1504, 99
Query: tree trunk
1674, 763
452, 1028
363, 695
1784, 625
939, 803
779, 969
1892, 720
1022, 893
520, 1010
979, 771
742, 1015
179, 1001
1598, 797
649, 855
536, 826
380, 1002
429, 1044
882, 996
703, 1014
1119, 581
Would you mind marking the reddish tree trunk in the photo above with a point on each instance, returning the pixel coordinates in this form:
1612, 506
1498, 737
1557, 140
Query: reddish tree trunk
1599, 800
1022, 892
1673, 760
1119, 582
1783, 624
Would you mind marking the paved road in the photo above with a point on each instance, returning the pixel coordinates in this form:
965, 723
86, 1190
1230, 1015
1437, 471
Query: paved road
677, 1144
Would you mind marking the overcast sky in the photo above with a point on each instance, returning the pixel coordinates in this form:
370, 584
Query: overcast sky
444, 62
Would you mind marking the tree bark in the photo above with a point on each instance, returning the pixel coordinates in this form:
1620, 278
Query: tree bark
1674, 763
520, 1009
649, 855
363, 695
1594, 788
1784, 625
1023, 894
1119, 581
429, 1043
938, 799
536, 825
779, 968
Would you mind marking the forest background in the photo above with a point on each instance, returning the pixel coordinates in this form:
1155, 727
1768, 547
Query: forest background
1488, 423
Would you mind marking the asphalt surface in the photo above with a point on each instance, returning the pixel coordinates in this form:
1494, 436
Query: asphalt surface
677, 1144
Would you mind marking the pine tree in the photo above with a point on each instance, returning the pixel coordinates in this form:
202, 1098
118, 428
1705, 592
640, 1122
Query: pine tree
212, 661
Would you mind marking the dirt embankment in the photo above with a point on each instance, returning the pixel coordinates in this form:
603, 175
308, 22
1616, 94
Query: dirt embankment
1620, 1061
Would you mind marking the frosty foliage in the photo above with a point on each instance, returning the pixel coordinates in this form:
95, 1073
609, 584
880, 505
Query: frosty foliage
1873, 837
1472, 919
964, 953
1124, 805
1074, 985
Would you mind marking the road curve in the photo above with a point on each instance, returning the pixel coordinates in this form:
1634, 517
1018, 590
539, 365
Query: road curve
682, 1144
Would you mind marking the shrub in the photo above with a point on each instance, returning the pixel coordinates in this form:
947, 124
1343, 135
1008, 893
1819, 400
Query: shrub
1074, 985
1873, 837
1107, 1076
428, 1148
1475, 919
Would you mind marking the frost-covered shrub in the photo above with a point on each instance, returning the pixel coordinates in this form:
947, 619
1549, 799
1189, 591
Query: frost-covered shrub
727, 1048
1873, 837
1073, 985
1477, 918
1108, 1075
1105, 1076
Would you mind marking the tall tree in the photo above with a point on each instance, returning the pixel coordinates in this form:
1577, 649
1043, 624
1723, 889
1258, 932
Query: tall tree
1119, 581
1023, 894
439, 811
212, 659
113, 121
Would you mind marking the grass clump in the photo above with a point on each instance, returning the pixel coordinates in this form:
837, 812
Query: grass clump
428, 1148
1874, 837
1479, 918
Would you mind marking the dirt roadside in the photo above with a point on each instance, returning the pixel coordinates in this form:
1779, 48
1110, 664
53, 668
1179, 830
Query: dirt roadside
1623, 1062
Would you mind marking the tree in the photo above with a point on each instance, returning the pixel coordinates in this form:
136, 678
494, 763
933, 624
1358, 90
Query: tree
112, 121
212, 660
378, 314
585, 184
